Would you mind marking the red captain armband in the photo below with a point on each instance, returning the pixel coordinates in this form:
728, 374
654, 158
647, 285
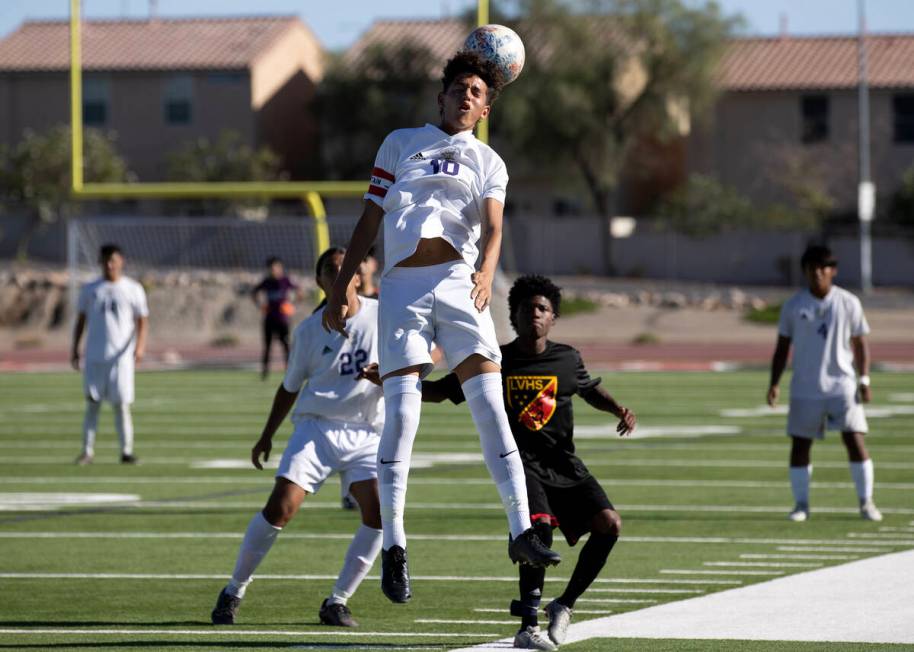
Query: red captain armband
381, 180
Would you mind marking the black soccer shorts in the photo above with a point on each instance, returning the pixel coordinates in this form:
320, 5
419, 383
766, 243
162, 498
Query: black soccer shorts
571, 509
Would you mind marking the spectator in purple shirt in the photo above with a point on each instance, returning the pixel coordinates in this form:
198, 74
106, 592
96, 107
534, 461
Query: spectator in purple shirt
272, 297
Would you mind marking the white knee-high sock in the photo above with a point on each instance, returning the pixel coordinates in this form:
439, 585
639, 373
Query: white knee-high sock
402, 407
258, 539
90, 426
123, 423
799, 483
483, 394
862, 473
365, 546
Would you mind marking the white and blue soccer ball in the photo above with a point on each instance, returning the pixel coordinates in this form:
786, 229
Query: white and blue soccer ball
501, 45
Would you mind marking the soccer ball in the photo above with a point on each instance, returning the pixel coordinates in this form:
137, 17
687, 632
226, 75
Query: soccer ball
500, 45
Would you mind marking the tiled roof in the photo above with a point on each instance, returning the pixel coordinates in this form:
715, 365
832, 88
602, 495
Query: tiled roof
204, 43
442, 38
793, 62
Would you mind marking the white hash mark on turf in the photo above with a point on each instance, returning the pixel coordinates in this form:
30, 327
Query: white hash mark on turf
233, 631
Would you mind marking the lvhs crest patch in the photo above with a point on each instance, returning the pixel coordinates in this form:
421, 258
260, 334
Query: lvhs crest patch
534, 397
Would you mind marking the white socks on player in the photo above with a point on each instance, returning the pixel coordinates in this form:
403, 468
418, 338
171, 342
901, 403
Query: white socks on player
402, 407
90, 426
365, 546
862, 473
484, 396
258, 539
123, 423
799, 483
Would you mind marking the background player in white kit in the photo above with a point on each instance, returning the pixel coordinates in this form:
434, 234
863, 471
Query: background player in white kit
336, 419
114, 309
826, 326
438, 190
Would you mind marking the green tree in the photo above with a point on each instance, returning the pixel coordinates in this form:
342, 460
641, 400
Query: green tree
35, 173
600, 75
360, 102
227, 158
703, 206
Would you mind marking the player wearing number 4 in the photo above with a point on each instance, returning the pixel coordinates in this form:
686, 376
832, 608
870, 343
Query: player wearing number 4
438, 191
113, 310
336, 417
826, 326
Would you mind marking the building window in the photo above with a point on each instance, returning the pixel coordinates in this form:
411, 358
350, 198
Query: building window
814, 109
96, 93
178, 103
903, 110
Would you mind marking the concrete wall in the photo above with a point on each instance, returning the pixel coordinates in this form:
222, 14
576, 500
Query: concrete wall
752, 141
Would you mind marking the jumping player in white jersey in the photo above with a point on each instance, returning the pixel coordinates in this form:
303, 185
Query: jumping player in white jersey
827, 328
337, 417
438, 191
114, 309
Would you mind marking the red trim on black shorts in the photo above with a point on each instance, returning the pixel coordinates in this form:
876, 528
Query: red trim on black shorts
553, 521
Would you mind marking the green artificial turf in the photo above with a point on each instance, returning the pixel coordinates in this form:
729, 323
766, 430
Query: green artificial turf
191, 520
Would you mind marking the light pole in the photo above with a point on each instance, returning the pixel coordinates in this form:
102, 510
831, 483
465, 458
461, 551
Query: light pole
866, 191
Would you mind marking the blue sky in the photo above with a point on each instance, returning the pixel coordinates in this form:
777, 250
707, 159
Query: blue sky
339, 23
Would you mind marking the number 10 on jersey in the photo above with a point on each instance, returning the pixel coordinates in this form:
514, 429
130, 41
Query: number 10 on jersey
446, 166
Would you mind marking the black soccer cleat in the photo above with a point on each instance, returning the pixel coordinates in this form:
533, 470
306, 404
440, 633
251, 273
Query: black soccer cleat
225, 609
336, 615
129, 459
529, 549
395, 575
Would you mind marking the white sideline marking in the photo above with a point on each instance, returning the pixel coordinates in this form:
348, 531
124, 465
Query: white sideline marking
232, 631
419, 461
645, 432
902, 397
896, 529
735, 464
878, 535
882, 590
761, 564
683, 571
823, 557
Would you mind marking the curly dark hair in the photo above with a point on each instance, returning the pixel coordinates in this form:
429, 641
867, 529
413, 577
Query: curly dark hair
532, 285
471, 63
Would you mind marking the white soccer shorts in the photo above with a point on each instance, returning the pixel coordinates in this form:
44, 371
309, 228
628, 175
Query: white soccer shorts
810, 417
110, 381
318, 448
420, 305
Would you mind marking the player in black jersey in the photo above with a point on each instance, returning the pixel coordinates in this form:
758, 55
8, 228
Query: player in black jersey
539, 378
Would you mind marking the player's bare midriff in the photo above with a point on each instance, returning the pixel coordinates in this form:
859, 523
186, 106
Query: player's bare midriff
430, 251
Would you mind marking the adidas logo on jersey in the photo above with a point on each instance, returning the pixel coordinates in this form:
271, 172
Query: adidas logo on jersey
417, 157
326, 350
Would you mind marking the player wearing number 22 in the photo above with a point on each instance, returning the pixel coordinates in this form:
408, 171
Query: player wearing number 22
439, 191
337, 416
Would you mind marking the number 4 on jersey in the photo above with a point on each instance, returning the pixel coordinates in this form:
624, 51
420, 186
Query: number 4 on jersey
822, 330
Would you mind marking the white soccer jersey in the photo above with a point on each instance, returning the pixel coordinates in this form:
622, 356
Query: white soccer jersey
432, 185
330, 363
821, 330
111, 311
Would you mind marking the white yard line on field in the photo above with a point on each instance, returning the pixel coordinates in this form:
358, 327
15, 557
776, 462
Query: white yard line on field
786, 545
231, 631
761, 564
822, 557
685, 571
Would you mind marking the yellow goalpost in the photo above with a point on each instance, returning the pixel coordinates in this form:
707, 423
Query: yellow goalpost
311, 191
